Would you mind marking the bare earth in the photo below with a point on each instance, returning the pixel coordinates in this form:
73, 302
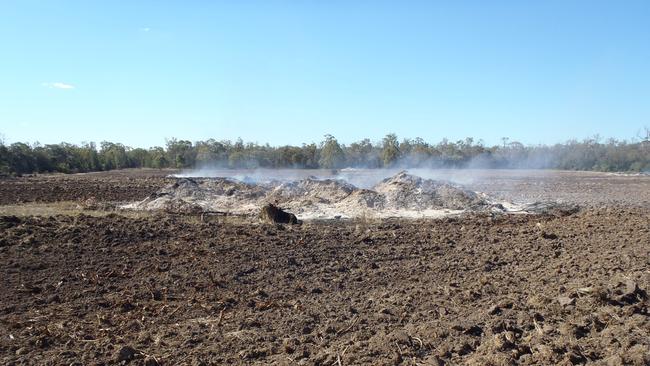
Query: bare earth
95, 286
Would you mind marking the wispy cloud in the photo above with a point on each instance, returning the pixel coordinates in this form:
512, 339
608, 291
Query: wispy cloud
145, 29
58, 85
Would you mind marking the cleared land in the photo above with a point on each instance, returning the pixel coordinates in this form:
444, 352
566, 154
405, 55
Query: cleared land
105, 288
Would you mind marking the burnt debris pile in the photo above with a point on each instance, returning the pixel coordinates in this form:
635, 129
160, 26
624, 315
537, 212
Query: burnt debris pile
402, 195
405, 191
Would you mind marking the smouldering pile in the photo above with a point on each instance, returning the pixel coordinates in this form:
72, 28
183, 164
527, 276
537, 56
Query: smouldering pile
401, 195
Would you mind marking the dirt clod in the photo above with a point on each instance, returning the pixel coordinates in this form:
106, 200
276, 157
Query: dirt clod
565, 300
273, 214
150, 361
125, 354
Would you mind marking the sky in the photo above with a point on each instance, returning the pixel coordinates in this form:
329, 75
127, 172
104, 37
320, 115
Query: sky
288, 72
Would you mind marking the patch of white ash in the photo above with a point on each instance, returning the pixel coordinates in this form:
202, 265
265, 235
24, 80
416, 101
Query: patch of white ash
402, 195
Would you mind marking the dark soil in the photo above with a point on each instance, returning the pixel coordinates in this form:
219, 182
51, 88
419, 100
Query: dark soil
114, 186
593, 189
472, 290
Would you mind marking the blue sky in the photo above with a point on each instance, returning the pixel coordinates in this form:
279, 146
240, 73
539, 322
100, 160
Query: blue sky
287, 72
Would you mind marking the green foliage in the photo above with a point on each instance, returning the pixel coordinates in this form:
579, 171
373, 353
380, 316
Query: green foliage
590, 154
181, 153
363, 154
331, 154
114, 156
390, 151
5, 164
157, 158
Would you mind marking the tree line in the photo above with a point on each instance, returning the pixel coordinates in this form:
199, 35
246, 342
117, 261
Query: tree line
589, 154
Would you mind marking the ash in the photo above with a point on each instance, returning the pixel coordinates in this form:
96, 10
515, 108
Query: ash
402, 195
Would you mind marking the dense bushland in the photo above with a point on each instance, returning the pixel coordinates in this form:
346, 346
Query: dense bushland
589, 154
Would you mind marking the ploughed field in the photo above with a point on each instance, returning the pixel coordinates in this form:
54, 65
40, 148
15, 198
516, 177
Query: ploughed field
113, 186
585, 188
103, 286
